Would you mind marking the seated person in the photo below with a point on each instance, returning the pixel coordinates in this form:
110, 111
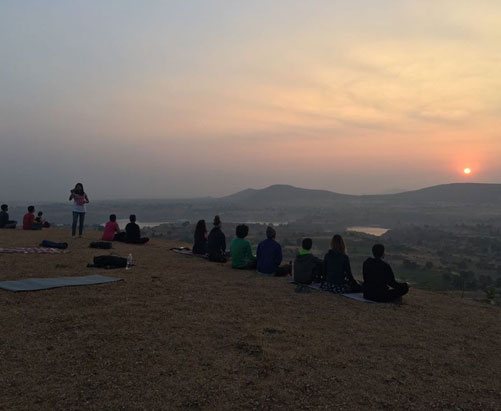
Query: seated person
4, 218
29, 220
337, 269
269, 256
307, 267
200, 238
133, 232
379, 277
216, 243
40, 220
112, 230
241, 250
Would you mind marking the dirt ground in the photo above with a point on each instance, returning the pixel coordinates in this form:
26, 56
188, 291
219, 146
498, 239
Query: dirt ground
181, 332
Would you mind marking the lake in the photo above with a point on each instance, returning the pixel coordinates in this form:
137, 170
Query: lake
375, 231
123, 222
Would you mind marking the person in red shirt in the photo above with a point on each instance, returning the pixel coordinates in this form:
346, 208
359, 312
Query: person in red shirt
111, 228
29, 218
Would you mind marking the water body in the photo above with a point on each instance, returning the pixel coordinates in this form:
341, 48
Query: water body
123, 222
375, 231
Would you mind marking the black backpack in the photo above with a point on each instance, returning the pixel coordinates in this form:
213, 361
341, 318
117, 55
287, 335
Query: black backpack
52, 244
109, 261
104, 245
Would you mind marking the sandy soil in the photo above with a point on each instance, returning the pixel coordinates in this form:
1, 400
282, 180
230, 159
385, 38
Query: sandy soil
181, 332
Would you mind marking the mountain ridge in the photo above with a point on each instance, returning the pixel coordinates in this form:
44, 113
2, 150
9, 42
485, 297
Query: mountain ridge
465, 193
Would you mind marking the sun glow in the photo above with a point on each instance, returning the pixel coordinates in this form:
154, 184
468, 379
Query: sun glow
467, 171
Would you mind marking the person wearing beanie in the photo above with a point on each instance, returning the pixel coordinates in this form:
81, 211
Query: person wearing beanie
4, 218
216, 243
307, 267
269, 255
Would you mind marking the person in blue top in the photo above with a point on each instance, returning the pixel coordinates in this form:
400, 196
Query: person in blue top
269, 256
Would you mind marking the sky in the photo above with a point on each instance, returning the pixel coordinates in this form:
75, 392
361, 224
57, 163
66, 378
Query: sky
189, 98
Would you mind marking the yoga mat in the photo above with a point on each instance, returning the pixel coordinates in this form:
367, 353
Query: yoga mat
34, 284
357, 297
313, 286
351, 296
32, 250
183, 251
188, 252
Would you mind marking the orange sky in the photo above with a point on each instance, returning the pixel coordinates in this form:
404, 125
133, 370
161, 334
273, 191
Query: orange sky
356, 98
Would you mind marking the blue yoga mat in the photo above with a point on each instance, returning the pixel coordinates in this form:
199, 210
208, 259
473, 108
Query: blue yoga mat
34, 284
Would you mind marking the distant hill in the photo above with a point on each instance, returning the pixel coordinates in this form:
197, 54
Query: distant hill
459, 193
286, 195
281, 194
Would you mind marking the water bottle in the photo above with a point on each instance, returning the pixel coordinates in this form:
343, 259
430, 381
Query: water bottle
130, 262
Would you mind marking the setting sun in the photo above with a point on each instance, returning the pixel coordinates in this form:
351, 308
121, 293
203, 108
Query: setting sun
467, 171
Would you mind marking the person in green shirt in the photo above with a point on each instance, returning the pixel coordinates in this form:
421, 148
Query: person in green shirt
241, 250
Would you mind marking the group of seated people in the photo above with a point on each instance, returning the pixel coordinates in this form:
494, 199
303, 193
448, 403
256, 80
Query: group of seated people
30, 222
333, 272
131, 235
268, 258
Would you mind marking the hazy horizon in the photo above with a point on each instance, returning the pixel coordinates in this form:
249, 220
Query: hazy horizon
63, 199
194, 99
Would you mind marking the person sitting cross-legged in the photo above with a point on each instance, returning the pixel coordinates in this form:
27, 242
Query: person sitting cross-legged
216, 243
269, 256
379, 281
5, 222
307, 267
200, 239
241, 250
29, 222
111, 230
337, 269
39, 219
133, 232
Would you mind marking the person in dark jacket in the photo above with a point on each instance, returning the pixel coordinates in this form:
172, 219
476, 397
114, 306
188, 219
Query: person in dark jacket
269, 256
307, 267
4, 218
216, 243
379, 277
337, 269
133, 232
200, 238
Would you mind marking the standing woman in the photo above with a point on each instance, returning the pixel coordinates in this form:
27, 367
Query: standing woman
79, 200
